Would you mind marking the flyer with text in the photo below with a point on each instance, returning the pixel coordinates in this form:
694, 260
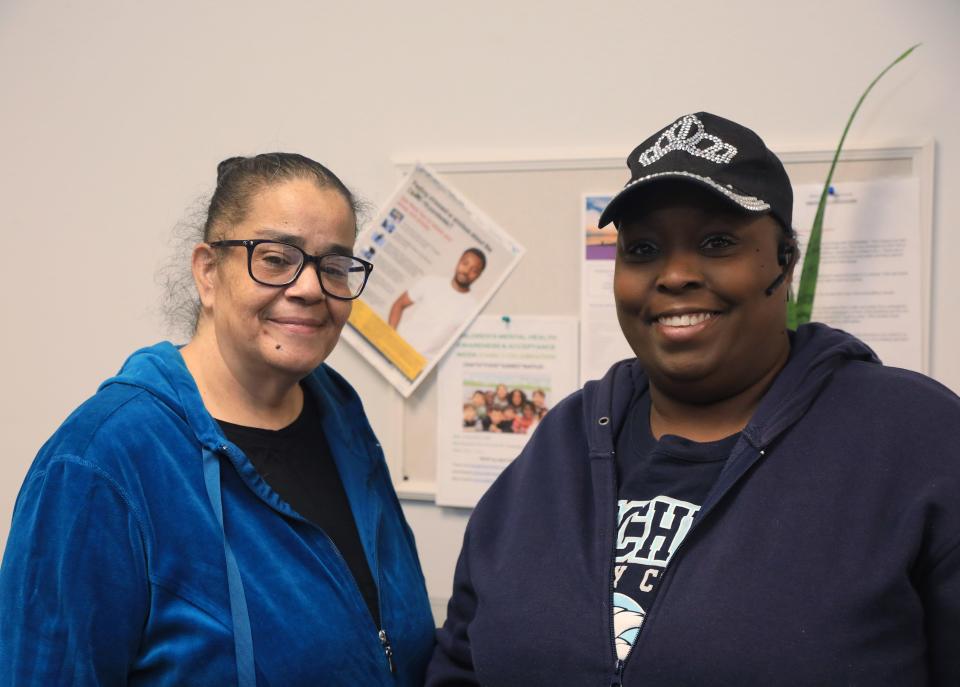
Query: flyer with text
437, 261
494, 389
601, 341
871, 271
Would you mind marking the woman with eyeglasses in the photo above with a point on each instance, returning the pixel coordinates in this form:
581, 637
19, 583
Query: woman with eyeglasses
221, 513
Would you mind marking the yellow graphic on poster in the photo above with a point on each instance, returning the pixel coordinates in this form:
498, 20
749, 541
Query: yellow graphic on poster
386, 340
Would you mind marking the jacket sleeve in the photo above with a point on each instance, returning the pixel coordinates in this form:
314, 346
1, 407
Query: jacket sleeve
452, 662
73, 585
940, 591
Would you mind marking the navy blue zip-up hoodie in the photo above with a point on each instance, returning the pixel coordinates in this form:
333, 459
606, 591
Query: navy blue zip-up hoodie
827, 552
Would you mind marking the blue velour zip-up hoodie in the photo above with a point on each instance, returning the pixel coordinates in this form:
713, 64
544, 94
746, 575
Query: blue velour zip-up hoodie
117, 570
827, 553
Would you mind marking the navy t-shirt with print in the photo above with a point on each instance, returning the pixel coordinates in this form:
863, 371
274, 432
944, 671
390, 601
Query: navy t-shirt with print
661, 486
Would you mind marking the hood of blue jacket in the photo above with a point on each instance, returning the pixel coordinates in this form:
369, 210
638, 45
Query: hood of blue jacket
161, 371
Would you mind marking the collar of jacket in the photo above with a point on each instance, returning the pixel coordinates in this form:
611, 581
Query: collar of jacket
160, 371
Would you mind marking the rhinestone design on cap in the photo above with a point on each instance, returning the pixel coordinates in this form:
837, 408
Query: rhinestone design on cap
688, 135
751, 203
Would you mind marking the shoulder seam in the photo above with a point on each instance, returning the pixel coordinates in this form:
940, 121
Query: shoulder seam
106, 476
113, 411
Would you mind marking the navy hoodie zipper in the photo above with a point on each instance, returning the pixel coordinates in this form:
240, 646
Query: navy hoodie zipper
618, 674
710, 503
617, 680
621, 663
663, 585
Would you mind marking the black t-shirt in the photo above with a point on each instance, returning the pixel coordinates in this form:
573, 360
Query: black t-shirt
296, 462
661, 486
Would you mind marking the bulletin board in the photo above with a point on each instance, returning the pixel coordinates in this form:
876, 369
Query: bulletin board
539, 202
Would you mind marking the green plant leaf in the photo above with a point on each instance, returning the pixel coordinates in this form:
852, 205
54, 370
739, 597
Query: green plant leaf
799, 311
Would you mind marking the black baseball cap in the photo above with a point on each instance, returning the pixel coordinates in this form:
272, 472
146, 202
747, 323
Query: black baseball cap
720, 155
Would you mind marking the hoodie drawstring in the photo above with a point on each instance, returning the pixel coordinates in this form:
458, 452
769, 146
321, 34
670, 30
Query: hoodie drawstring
242, 635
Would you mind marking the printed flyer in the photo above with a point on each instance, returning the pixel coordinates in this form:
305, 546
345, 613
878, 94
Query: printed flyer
437, 261
601, 341
871, 274
497, 384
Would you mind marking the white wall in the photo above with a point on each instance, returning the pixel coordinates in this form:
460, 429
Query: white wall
114, 114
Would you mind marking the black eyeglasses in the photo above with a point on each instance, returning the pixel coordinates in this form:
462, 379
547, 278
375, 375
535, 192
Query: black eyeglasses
274, 263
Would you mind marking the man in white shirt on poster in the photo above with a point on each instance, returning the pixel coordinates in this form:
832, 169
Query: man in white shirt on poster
429, 312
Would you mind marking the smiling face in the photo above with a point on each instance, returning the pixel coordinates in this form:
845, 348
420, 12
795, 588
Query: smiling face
469, 269
281, 331
689, 284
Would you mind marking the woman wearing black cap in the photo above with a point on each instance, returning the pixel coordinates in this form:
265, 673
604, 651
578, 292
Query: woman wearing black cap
739, 504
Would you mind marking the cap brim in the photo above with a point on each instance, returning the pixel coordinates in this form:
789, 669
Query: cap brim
748, 203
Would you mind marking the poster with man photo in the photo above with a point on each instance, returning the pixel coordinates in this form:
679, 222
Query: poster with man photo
437, 261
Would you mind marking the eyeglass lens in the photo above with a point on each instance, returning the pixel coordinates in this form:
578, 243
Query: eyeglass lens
277, 264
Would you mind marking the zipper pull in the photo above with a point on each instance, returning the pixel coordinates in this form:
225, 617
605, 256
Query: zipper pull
618, 677
387, 649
